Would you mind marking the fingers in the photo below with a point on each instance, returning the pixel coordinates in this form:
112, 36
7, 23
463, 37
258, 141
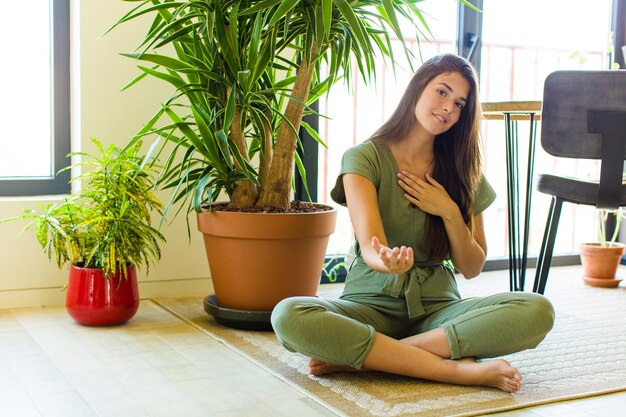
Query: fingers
376, 244
413, 200
397, 259
409, 181
432, 181
415, 188
416, 183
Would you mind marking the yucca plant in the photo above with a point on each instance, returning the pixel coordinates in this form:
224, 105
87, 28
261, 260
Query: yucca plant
244, 73
107, 224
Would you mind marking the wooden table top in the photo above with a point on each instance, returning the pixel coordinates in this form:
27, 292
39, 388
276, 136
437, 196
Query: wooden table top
519, 110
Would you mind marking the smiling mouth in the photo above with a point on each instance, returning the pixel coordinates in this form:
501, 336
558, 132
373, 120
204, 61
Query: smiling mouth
441, 119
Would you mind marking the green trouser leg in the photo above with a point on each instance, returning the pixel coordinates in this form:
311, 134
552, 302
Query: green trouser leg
333, 331
492, 326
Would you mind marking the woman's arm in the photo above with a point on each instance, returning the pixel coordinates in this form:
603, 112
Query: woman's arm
468, 250
362, 202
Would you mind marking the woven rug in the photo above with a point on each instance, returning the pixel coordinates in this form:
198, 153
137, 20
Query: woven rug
584, 355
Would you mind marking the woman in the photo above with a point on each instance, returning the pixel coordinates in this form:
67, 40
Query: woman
415, 193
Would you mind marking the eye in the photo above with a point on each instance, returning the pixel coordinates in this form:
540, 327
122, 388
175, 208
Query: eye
459, 105
441, 92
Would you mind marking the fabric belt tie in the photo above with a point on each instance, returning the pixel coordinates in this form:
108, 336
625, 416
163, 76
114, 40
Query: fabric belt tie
410, 284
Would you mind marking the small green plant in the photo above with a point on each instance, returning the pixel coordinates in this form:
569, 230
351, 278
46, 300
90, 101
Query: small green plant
107, 224
603, 216
611, 52
332, 267
579, 57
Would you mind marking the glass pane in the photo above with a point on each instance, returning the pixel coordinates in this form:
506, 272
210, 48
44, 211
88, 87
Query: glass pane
356, 111
25, 137
521, 44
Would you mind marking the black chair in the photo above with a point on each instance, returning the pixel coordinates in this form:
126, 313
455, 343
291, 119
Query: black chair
583, 116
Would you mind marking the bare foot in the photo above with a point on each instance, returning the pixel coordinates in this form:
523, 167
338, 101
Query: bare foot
318, 368
496, 373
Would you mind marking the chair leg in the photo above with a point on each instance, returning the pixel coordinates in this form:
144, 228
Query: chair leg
547, 246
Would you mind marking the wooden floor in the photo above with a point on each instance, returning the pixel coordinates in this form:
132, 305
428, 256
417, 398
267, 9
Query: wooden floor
157, 365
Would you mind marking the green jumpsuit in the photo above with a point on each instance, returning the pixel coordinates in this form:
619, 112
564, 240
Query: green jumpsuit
342, 331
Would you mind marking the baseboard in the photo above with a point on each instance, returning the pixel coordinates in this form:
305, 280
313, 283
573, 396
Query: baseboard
55, 296
176, 288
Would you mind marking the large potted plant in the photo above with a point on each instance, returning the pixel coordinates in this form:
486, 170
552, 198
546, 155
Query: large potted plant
104, 232
601, 259
243, 74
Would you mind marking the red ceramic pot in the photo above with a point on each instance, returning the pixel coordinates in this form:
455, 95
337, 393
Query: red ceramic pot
94, 300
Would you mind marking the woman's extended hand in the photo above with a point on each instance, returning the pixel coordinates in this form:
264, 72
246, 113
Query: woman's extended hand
429, 195
396, 260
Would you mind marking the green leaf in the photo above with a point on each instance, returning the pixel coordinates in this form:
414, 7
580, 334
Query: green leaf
162, 60
327, 15
353, 23
302, 172
187, 131
224, 43
134, 81
393, 19
470, 5
234, 29
313, 134
222, 142
176, 81
264, 58
198, 193
283, 9
318, 25
132, 15
267, 4
231, 105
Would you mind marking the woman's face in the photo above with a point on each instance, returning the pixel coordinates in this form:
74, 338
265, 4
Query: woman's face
440, 105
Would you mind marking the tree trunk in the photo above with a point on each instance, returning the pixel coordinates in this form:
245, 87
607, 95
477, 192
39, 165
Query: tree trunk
245, 193
266, 155
277, 192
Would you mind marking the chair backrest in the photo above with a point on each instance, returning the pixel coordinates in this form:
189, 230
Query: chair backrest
567, 98
584, 116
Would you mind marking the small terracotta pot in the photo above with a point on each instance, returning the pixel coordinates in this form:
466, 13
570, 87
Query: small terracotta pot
94, 300
258, 259
601, 262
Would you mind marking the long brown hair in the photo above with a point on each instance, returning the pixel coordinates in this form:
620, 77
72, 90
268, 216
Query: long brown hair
457, 154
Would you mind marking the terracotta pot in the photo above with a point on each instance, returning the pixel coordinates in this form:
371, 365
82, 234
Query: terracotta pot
601, 262
94, 300
258, 259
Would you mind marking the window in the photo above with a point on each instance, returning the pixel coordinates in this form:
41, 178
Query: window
35, 109
514, 47
516, 57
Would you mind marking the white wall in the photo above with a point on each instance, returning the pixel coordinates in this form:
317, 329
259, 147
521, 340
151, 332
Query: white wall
100, 110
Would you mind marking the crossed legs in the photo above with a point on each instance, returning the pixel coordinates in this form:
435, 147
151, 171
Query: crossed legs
339, 335
413, 357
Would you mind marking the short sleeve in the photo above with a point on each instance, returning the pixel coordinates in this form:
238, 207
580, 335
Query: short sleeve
485, 196
362, 159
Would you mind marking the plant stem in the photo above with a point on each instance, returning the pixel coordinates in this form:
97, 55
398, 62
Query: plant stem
245, 192
275, 194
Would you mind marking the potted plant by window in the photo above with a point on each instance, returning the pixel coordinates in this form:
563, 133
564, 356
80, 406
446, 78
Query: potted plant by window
244, 73
601, 259
104, 232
